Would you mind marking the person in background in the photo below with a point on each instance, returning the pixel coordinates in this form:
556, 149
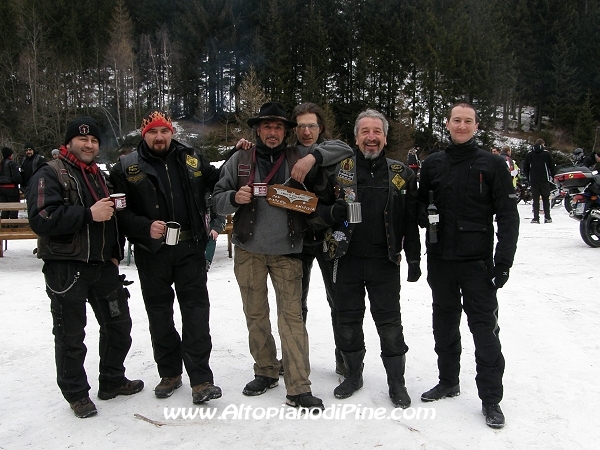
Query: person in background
469, 186
495, 151
10, 178
55, 153
70, 210
167, 181
539, 169
591, 160
32, 161
217, 225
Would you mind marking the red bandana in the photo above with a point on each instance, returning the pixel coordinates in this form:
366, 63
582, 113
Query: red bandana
92, 169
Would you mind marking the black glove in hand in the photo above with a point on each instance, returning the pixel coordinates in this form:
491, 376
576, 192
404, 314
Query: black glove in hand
339, 211
414, 271
500, 275
124, 281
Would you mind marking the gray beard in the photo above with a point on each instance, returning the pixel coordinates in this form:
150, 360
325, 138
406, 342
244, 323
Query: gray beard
371, 155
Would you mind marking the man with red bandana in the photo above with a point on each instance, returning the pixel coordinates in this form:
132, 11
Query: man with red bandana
70, 209
167, 181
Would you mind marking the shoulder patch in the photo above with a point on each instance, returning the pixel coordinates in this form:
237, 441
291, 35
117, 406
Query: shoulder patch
397, 168
192, 162
244, 170
134, 169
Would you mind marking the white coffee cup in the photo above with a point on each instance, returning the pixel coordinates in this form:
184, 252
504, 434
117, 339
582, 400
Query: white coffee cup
172, 233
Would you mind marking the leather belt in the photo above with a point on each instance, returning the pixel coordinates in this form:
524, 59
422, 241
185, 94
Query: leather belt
186, 235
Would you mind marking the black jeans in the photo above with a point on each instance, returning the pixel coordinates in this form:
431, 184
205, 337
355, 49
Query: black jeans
381, 278
471, 280
69, 284
183, 265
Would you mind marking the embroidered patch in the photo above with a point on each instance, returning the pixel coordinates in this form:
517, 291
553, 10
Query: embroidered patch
345, 177
244, 170
347, 164
398, 181
192, 162
338, 236
136, 178
133, 169
84, 129
397, 168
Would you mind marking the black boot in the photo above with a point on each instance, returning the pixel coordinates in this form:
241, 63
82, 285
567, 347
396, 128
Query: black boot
340, 366
394, 367
354, 380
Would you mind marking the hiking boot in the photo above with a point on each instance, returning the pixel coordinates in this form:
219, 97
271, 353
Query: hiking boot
204, 392
305, 400
439, 392
166, 386
535, 220
259, 385
547, 220
340, 365
494, 417
354, 378
83, 408
127, 387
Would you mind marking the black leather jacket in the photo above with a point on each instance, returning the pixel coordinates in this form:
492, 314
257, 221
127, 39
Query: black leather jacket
470, 186
391, 192
59, 213
149, 199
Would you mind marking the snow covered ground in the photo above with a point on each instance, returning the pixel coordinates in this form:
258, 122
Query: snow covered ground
548, 317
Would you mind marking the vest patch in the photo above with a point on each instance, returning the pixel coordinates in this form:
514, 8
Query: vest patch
347, 164
192, 162
398, 181
136, 178
396, 168
345, 177
134, 169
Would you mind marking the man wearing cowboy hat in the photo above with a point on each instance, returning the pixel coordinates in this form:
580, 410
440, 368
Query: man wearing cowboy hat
268, 240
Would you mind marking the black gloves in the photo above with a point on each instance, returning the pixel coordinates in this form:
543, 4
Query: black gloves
500, 275
124, 281
414, 271
339, 211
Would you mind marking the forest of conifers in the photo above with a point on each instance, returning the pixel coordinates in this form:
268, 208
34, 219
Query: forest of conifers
410, 59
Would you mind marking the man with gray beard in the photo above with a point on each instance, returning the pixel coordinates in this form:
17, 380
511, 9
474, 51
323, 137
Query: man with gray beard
367, 254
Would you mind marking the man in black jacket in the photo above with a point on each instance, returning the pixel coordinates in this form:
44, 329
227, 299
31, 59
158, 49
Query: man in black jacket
469, 187
366, 255
32, 161
165, 181
70, 209
539, 168
10, 178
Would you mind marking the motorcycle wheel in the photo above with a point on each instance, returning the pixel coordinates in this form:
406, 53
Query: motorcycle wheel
567, 203
589, 228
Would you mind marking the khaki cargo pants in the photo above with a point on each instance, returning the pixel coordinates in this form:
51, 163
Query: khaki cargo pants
251, 270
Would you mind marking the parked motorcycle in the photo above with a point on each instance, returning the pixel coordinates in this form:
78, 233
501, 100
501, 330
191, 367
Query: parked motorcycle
585, 204
571, 180
523, 190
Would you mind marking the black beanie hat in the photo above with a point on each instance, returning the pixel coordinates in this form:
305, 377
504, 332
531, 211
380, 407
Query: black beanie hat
82, 126
28, 146
6, 152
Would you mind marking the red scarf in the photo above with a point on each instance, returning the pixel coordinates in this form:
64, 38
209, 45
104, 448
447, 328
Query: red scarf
91, 168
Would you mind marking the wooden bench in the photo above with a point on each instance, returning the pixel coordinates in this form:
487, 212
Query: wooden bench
228, 231
14, 228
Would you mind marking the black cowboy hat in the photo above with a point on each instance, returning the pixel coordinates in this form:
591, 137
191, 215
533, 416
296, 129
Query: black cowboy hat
271, 111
